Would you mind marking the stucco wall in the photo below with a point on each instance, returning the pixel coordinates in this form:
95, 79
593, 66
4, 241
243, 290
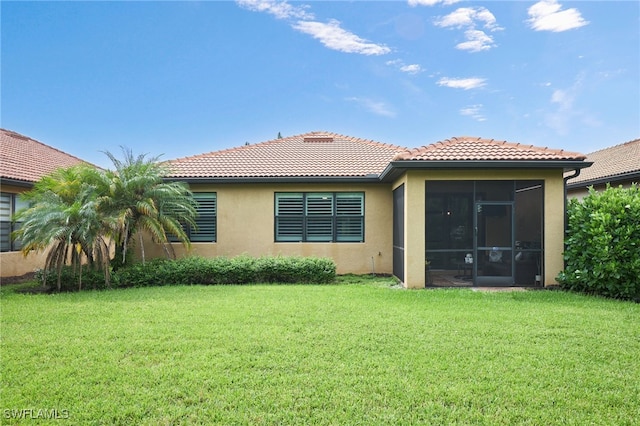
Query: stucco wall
245, 225
415, 215
14, 264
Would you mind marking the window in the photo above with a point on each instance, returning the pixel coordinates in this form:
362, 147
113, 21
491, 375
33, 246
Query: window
319, 216
10, 204
206, 231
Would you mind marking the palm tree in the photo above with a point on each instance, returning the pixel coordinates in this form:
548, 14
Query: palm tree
65, 220
77, 212
136, 194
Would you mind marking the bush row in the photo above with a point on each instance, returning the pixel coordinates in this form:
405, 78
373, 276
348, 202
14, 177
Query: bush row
200, 270
603, 244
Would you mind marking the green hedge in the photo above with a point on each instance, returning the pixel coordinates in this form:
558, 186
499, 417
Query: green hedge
603, 244
200, 270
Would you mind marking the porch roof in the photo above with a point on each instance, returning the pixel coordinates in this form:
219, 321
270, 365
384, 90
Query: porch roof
468, 152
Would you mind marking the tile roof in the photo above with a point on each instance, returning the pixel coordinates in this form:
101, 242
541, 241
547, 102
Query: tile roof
26, 159
612, 162
314, 154
478, 149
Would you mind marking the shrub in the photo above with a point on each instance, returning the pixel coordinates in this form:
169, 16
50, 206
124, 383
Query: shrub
223, 270
603, 244
92, 279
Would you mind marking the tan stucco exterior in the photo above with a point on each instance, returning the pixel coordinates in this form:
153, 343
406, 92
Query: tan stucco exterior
414, 182
245, 225
245, 222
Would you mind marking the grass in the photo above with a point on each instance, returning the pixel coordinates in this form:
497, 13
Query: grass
362, 353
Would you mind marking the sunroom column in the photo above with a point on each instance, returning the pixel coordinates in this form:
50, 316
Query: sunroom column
553, 226
414, 232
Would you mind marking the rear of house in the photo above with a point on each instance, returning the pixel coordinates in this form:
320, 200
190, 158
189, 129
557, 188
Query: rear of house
466, 211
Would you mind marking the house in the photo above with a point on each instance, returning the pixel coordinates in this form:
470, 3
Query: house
23, 161
616, 165
465, 210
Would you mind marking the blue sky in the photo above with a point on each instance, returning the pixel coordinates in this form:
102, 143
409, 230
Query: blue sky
184, 78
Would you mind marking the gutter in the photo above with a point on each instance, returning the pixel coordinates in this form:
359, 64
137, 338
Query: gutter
16, 182
629, 176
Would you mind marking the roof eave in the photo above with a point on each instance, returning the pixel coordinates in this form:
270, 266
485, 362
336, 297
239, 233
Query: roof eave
623, 177
397, 168
277, 179
16, 182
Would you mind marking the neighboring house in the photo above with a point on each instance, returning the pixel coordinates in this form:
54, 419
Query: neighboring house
379, 208
23, 161
616, 165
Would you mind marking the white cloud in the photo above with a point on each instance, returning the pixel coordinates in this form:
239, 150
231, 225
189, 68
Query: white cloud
546, 15
470, 18
462, 83
409, 69
465, 17
413, 3
332, 36
477, 41
376, 107
474, 111
279, 9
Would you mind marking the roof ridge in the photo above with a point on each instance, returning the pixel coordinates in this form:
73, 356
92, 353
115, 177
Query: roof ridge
300, 136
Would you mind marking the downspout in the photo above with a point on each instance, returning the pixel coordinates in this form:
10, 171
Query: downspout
576, 173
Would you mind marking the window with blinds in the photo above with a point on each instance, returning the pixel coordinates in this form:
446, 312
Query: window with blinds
206, 231
206, 221
10, 204
319, 217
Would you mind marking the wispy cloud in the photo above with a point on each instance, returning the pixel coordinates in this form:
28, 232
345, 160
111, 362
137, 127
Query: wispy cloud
376, 107
470, 18
279, 9
330, 34
546, 15
409, 69
473, 111
413, 3
564, 99
334, 37
462, 83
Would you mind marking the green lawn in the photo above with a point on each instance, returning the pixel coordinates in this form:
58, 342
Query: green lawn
344, 354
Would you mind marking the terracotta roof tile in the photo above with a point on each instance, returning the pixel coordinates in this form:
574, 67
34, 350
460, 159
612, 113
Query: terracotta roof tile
610, 162
315, 154
478, 149
26, 159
